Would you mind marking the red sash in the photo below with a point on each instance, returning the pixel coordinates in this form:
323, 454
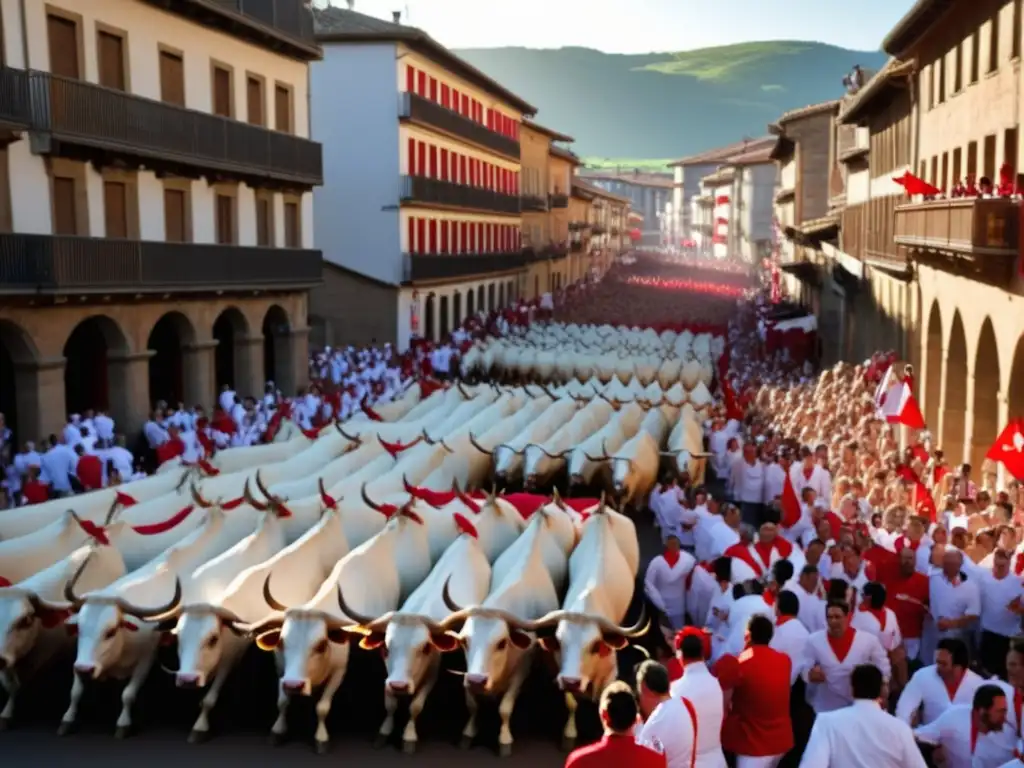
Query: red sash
693, 720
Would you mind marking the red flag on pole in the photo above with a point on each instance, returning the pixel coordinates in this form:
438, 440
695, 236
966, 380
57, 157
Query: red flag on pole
1009, 448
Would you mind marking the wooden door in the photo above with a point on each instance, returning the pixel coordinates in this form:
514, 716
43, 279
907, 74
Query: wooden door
222, 92
172, 78
175, 217
62, 36
110, 52
254, 100
225, 219
115, 208
65, 208
283, 109
263, 221
292, 230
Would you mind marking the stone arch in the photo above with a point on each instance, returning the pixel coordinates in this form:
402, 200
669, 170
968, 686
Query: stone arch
445, 324
428, 318
954, 397
19, 382
231, 331
278, 354
168, 340
931, 377
491, 298
985, 410
470, 300
91, 354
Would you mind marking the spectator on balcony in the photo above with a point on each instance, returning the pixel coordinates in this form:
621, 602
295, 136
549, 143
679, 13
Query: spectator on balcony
971, 190
958, 189
985, 187
1007, 181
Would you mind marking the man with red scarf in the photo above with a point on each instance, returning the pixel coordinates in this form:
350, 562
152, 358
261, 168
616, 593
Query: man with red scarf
769, 548
173, 447
664, 582
88, 470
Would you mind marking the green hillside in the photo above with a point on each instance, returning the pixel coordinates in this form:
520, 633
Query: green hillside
659, 105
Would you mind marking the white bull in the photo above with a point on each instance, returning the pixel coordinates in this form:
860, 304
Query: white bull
508, 457
32, 614
609, 438
409, 429
382, 572
27, 555
543, 460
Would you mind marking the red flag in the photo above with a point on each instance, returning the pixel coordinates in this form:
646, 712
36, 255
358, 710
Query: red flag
790, 504
916, 186
1009, 448
924, 505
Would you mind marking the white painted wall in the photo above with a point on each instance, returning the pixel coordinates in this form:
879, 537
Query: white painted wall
355, 117
407, 304
146, 28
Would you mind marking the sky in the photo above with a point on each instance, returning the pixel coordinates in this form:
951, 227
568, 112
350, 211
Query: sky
642, 26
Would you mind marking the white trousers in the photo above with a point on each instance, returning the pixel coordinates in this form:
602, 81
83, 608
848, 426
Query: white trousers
912, 647
770, 761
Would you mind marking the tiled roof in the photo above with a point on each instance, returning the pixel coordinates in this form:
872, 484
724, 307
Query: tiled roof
856, 103
631, 177
565, 154
757, 152
809, 111
340, 25
552, 134
717, 155
594, 189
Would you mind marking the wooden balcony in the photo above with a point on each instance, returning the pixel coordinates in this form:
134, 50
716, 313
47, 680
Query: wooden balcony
426, 112
969, 226
558, 200
418, 189
73, 118
15, 105
534, 203
421, 267
55, 265
281, 25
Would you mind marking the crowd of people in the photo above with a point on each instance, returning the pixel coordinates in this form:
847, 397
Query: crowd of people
841, 597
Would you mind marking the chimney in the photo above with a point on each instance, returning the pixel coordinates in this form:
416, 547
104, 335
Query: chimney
396, 16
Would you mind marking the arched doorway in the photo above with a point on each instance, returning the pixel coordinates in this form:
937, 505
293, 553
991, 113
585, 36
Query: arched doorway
480, 305
932, 374
954, 401
445, 328
277, 350
470, 296
229, 330
87, 353
985, 427
18, 382
167, 341
501, 295
1015, 397
491, 305
428, 318
456, 309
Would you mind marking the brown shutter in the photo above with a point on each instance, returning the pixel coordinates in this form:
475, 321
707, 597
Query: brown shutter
283, 108
115, 208
222, 92
254, 100
263, 237
62, 36
65, 219
174, 216
225, 219
110, 52
989, 169
172, 78
292, 234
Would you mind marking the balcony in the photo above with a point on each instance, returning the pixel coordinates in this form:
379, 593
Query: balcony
15, 105
597, 229
968, 226
86, 121
281, 25
420, 110
421, 267
418, 189
558, 200
56, 265
534, 203
578, 226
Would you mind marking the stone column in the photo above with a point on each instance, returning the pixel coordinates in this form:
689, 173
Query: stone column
198, 363
129, 390
953, 417
40, 398
983, 426
249, 366
295, 367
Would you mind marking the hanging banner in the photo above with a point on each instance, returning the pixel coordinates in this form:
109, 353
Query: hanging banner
414, 312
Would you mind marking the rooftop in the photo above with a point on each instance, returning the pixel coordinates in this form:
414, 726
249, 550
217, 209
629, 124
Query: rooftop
565, 154
809, 111
914, 23
718, 155
593, 189
757, 152
636, 177
551, 134
893, 69
339, 25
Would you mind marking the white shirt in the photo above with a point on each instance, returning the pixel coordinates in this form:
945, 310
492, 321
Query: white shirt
155, 434
57, 463
703, 690
862, 735
740, 613
747, 482
812, 607
835, 692
889, 636
104, 427
122, 459
953, 601
927, 697
665, 585
774, 482
820, 481
996, 595
952, 730
790, 638
722, 537
669, 732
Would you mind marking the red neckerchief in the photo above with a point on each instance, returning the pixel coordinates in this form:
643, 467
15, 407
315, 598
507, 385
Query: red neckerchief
671, 557
1018, 564
808, 473
880, 614
742, 552
783, 619
951, 689
693, 721
780, 545
769, 597
905, 541
841, 645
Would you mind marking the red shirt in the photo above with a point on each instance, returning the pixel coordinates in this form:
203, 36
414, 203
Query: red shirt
885, 564
169, 450
90, 472
616, 752
758, 722
909, 615
35, 492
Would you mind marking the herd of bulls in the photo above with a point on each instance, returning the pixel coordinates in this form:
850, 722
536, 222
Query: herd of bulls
304, 546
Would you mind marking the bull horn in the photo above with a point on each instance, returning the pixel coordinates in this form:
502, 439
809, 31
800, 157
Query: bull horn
604, 453
323, 492
446, 595
638, 629
425, 436
170, 609
197, 497
368, 502
601, 502
556, 499
462, 391
269, 598
412, 490
346, 435
114, 505
360, 618
475, 444
69, 586
250, 500
262, 488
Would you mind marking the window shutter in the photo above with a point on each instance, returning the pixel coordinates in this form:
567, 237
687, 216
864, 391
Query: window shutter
433, 161
422, 83
410, 247
444, 164
463, 235
433, 89
446, 95
410, 79
433, 236
413, 171
421, 158
421, 235
444, 236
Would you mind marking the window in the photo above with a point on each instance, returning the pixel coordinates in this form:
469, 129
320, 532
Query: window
65, 206
975, 55
110, 52
957, 164
292, 225
283, 108
225, 215
62, 37
931, 86
993, 43
115, 209
1010, 149
254, 100
222, 101
172, 78
945, 171
935, 171
264, 220
958, 73
972, 159
989, 169
175, 215
941, 95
